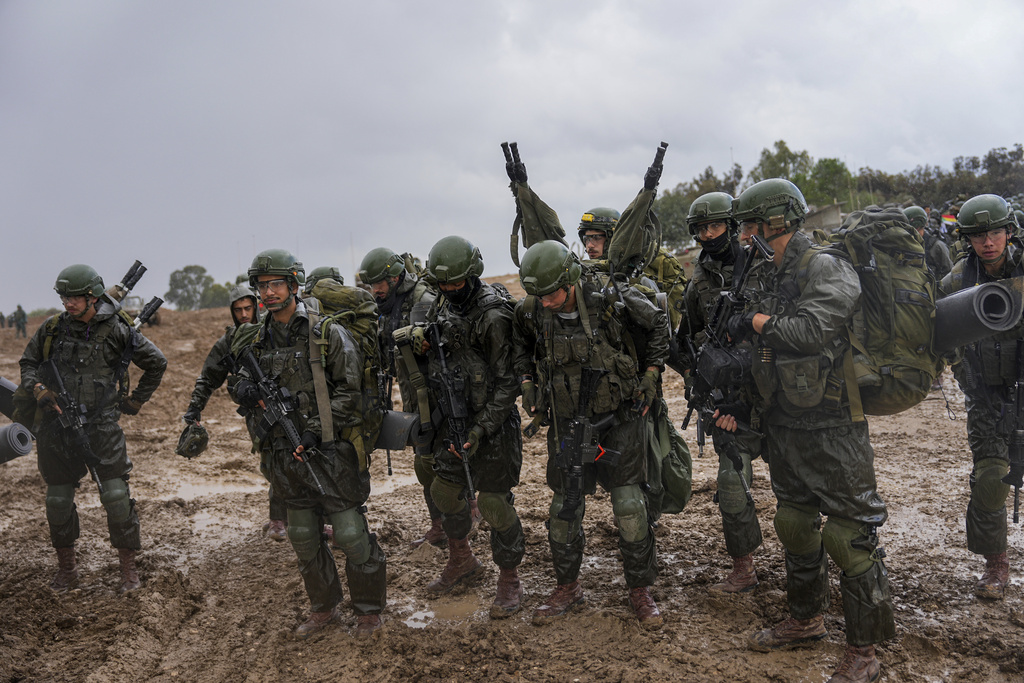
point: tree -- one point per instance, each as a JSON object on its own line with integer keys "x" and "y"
{"x": 214, "y": 296}
{"x": 673, "y": 205}
{"x": 187, "y": 286}
{"x": 829, "y": 182}
{"x": 782, "y": 163}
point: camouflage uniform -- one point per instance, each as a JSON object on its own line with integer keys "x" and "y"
{"x": 20, "y": 321}
{"x": 936, "y": 255}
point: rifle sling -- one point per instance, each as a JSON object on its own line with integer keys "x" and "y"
{"x": 317, "y": 364}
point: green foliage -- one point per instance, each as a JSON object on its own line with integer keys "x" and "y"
{"x": 242, "y": 279}
{"x": 43, "y": 311}
{"x": 214, "y": 296}
{"x": 829, "y": 182}
{"x": 673, "y": 205}
{"x": 782, "y": 163}
{"x": 187, "y": 286}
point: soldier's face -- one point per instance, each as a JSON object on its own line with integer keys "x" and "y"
{"x": 243, "y": 311}
{"x": 989, "y": 245}
{"x": 593, "y": 242}
{"x": 382, "y": 289}
{"x": 709, "y": 231}
{"x": 77, "y": 305}
{"x": 275, "y": 291}
{"x": 562, "y": 300}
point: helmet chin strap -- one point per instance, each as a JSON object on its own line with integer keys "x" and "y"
{"x": 88, "y": 304}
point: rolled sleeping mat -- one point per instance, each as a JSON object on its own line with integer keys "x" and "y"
{"x": 7, "y": 389}
{"x": 15, "y": 441}
{"x": 398, "y": 430}
{"x": 973, "y": 314}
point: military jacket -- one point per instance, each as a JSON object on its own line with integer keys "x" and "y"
{"x": 622, "y": 337}
{"x": 667, "y": 272}
{"x": 87, "y": 357}
{"x": 214, "y": 373}
{"x": 411, "y": 294}
{"x": 799, "y": 365}
{"x": 936, "y": 255}
{"x": 710, "y": 278}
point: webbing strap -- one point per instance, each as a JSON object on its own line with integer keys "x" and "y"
{"x": 317, "y": 363}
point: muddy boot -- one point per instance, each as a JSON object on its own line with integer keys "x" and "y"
{"x": 992, "y": 584}
{"x": 435, "y": 535}
{"x": 858, "y": 666}
{"x": 462, "y": 564}
{"x": 646, "y": 610}
{"x": 508, "y": 595}
{"x": 566, "y": 597}
{"x": 276, "y": 530}
{"x": 67, "y": 570}
{"x": 789, "y": 633}
{"x": 367, "y": 625}
{"x": 317, "y": 622}
{"x": 129, "y": 573}
{"x": 741, "y": 579}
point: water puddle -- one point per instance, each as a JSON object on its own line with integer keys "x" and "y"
{"x": 191, "y": 490}
{"x": 419, "y": 619}
{"x": 390, "y": 484}
{"x": 457, "y": 608}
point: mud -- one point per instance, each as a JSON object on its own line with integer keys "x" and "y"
{"x": 218, "y": 600}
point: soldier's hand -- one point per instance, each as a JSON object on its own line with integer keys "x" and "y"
{"x": 420, "y": 345}
{"x": 740, "y": 326}
{"x": 247, "y": 393}
{"x": 529, "y": 390}
{"x": 45, "y": 398}
{"x": 652, "y": 177}
{"x": 192, "y": 416}
{"x": 130, "y": 406}
{"x": 1015, "y": 477}
{"x": 309, "y": 441}
{"x": 647, "y": 391}
{"x": 726, "y": 422}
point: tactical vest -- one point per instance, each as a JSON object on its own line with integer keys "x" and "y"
{"x": 289, "y": 366}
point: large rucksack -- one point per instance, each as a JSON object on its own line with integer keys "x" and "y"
{"x": 893, "y": 363}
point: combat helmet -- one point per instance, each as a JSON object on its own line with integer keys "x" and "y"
{"x": 77, "y": 280}
{"x": 916, "y": 216}
{"x": 276, "y": 262}
{"x": 454, "y": 259}
{"x": 193, "y": 440}
{"x": 378, "y": 264}
{"x": 713, "y": 206}
{"x": 601, "y": 218}
{"x": 1019, "y": 215}
{"x": 322, "y": 273}
{"x": 983, "y": 213}
{"x": 548, "y": 266}
{"x": 775, "y": 201}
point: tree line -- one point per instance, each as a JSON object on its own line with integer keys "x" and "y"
{"x": 192, "y": 288}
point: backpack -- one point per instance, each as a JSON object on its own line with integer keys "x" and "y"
{"x": 893, "y": 362}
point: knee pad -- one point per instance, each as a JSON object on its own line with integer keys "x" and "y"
{"x": 988, "y": 492}
{"x": 850, "y": 544}
{"x": 351, "y": 535}
{"x": 447, "y": 496}
{"x": 630, "y": 513}
{"x": 304, "y": 533}
{"x": 60, "y": 503}
{"x": 732, "y": 497}
{"x": 558, "y": 529}
{"x": 799, "y": 529}
{"x": 497, "y": 509}
{"x": 115, "y": 499}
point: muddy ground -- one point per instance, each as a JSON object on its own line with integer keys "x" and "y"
{"x": 218, "y": 600}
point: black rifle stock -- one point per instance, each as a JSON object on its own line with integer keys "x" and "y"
{"x": 72, "y": 418}
{"x": 385, "y": 382}
{"x": 277, "y": 402}
{"x": 452, "y": 401}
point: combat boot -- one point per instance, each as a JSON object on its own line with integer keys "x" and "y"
{"x": 992, "y": 584}
{"x": 646, "y": 610}
{"x": 67, "y": 570}
{"x": 858, "y": 666}
{"x": 317, "y": 622}
{"x": 435, "y": 535}
{"x": 129, "y": 573}
{"x": 741, "y": 579}
{"x": 276, "y": 530}
{"x": 509, "y": 594}
{"x": 462, "y": 564}
{"x": 566, "y": 597}
{"x": 367, "y": 625}
{"x": 788, "y": 634}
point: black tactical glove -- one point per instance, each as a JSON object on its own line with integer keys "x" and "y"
{"x": 516, "y": 171}
{"x": 529, "y": 396}
{"x": 129, "y": 406}
{"x": 652, "y": 177}
{"x": 247, "y": 393}
{"x": 192, "y": 415}
{"x": 308, "y": 442}
{"x": 647, "y": 391}
{"x": 45, "y": 398}
{"x": 740, "y": 326}
{"x": 1015, "y": 477}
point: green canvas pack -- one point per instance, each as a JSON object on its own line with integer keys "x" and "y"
{"x": 893, "y": 363}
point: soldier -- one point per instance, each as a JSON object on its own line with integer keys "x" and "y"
{"x": 322, "y": 273}
{"x": 987, "y": 374}
{"x": 568, "y": 324}
{"x": 244, "y": 311}
{"x": 327, "y": 411}
{"x": 90, "y": 347}
{"x": 402, "y": 300}
{"x": 810, "y": 435}
{"x": 20, "y": 320}
{"x": 3, "y": 321}
{"x": 474, "y": 324}
{"x": 721, "y": 258}
{"x": 936, "y": 253}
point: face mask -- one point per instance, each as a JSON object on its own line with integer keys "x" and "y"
{"x": 716, "y": 246}
{"x": 461, "y": 297}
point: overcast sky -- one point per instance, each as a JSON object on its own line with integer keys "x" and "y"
{"x": 203, "y": 131}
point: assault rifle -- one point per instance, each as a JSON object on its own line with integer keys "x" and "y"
{"x": 72, "y": 417}
{"x": 385, "y": 381}
{"x": 579, "y": 447}
{"x": 452, "y": 401}
{"x": 276, "y": 402}
{"x": 119, "y": 291}
{"x": 1015, "y": 477}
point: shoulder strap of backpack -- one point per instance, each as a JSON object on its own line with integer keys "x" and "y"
{"x": 319, "y": 334}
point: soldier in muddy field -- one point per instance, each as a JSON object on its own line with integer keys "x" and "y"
{"x": 810, "y": 434}
{"x": 79, "y": 360}
{"x": 321, "y": 404}
{"x": 20, "y": 321}
{"x": 244, "y": 310}
{"x": 987, "y": 373}
{"x": 569, "y": 326}
{"x": 477, "y": 445}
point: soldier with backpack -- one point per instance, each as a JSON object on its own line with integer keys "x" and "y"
{"x": 935, "y": 250}
{"x": 987, "y": 373}
{"x": 307, "y": 386}
{"x": 811, "y": 434}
